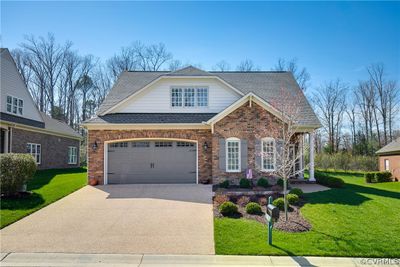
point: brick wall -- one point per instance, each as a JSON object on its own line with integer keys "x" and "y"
{"x": 96, "y": 158}
{"x": 394, "y": 164}
{"x": 248, "y": 123}
{"x": 54, "y": 148}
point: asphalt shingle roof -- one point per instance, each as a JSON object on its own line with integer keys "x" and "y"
{"x": 268, "y": 85}
{"x": 58, "y": 126}
{"x": 391, "y": 148}
{"x": 153, "y": 118}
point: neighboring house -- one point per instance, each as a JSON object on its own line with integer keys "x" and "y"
{"x": 389, "y": 158}
{"x": 24, "y": 129}
{"x": 190, "y": 126}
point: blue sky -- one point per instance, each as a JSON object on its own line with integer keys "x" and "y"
{"x": 332, "y": 39}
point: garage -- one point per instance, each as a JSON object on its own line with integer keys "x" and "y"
{"x": 152, "y": 162}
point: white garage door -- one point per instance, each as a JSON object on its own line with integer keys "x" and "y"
{"x": 151, "y": 162}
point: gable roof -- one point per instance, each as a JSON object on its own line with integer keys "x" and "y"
{"x": 391, "y": 148}
{"x": 57, "y": 126}
{"x": 265, "y": 84}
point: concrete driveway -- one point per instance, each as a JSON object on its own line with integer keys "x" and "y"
{"x": 148, "y": 219}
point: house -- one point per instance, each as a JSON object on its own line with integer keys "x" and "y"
{"x": 24, "y": 129}
{"x": 191, "y": 126}
{"x": 389, "y": 158}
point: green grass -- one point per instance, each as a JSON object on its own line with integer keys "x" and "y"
{"x": 47, "y": 186}
{"x": 360, "y": 220}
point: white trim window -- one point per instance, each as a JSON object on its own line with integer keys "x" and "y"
{"x": 176, "y": 97}
{"x": 189, "y": 97}
{"x": 268, "y": 154}
{"x": 387, "y": 165}
{"x": 202, "y": 97}
{"x": 36, "y": 151}
{"x": 15, "y": 105}
{"x": 72, "y": 155}
{"x": 232, "y": 153}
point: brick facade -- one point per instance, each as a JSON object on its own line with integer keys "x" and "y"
{"x": 394, "y": 164}
{"x": 54, "y": 148}
{"x": 249, "y": 123}
{"x": 96, "y": 158}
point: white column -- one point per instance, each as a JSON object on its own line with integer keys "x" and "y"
{"x": 301, "y": 163}
{"x": 5, "y": 145}
{"x": 312, "y": 141}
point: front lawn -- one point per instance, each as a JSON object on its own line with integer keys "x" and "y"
{"x": 360, "y": 220}
{"x": 47, "y": 186}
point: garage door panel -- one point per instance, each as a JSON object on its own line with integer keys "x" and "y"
{"x": 152, "y": 162}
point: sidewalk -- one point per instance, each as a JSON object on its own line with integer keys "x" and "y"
{"x": 136, "y": 260}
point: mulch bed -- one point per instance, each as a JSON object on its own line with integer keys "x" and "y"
{"x": 296, "y": 222}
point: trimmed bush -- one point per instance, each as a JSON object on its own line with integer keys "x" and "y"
{"x": 329, "y": 181}
{"x": 253, "y": 208}
{"x": 292, "y": 199}
{"x": 279, "y": 203}
{"x": 224, "y": 184}
{"x": 280, "y": 182}
{"x": 15, "y": 171}
{"x": 262, "y": 182}
{"x": 296, "y": 191}
{"x": 381, "y": 177}
{"x": 369, "y": 177}
{"x": 220, "y": 198}
{"x": 243, "y": 201}
{"x": 244, "y": 183}
{"x": 228, "y": 208}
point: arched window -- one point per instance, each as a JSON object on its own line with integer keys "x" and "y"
{"x": 268, "y": 154}
{"x": 232, "y": 147}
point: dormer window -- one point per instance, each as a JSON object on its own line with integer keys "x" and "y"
{"x": 15, "y": 105}
{"x": 189, "y": 97}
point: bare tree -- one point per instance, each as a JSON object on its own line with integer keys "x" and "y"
{"x": 247, "y": 65}
{"x": 50, "y": 56}
{"x": 393, "y": 96}
{"x": 21, "y": 61}
{"x": 175, "y": 65}
{"x": 157, "y": 56}
{"x": 222, "y": 66}
{"x": 300, "y": 74}
{"x": 289, "y": 140}
{"x": 330, "y": 103}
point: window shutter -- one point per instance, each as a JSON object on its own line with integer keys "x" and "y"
{"x": 243, "y": 154}
{"x": 279, "y": 152}
{"x": 258, "y": 154}
{"x": 222, "y": 156}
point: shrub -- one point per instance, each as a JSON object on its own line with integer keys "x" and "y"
{"x": 244, "y": 183}
{"x": 243, "y": 201}
{"x": 15, "y": 171}
{"x": 279, "y": 203}
{"x": 280, "y": 182}
{"x": 253, "y": 208}
{"x": 262, "y": 182}
{"x": 345, "y": 161}
{"x": 220, "y": 198}
{"x": 296, "y": 191}
{"x": 292, "y": 199}
{"x": 224, "y": 184}
{"x": 330, "y": 181}
{"x": 369, "y": 177}
{"x": 381, "y": 177}
{"x": 228, "y": 208}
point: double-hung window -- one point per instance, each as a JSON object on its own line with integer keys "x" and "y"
{"x": 268, "y": 154}
{"x": 189, "y": 97}
{"x": 176, "y": 97}
{"x": 202, "y": 97}
{"x": 35, "y": 150}
{"x": 233, "y": 155}
{"x": 15, "y": 105}
{"x": 72, "y": 155}
{"x": 387, "y": 165}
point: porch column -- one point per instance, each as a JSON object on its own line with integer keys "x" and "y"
{"x": 312, "y": 141}
{"x": 301, "y": 161}
{"x": 5, "y": 145}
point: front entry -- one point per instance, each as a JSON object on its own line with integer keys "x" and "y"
{"x": 151, "y": 162}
